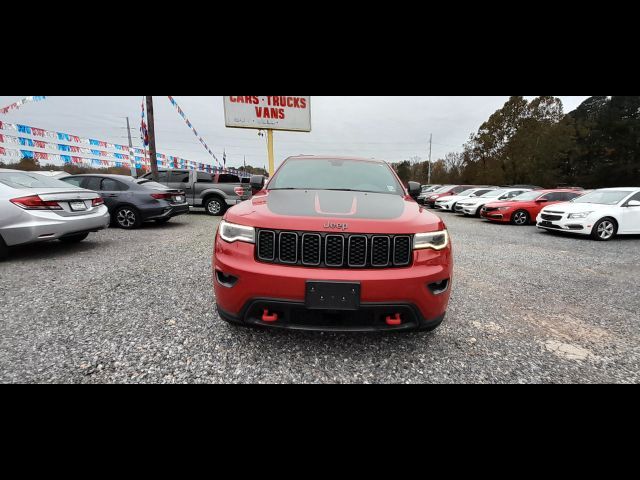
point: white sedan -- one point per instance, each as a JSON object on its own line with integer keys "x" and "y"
{"x": 449, "y": 203}
{"x": 602, "y": 214}
{"x": 472, "y": 206}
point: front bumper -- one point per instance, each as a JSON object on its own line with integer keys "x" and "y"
{"x": 281, "y": 289}
{"x": 444, "y": 206}
{"x": 467, "y": 210}
{"x": 503, "y": 216}
{"x": 170, "y": 211}
{"x": 32, "y": 226}
{"x": 580, "y": 226}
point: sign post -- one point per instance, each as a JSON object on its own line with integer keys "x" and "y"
{"x": 291, "y": 114}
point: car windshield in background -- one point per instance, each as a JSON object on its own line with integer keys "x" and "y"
{"x": 494, "y": 194}
{"x": 330, "y": 174}
{"x": 526, "y": 197}
{"x": 446, "y": 188}
{"x": 30, "y": 180}
{"x": 466, "y": 193}
{"x": 603, "y": 197}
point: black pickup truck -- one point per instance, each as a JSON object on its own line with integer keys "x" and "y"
{"x": 213, "y": 192}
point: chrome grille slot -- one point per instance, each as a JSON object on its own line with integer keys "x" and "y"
{"x": 267, "y": 246}
{"x": 288, "y": 247}
{"x": 311, "y": 249}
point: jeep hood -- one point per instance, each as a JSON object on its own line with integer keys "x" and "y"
{"x": 331, "y": 211}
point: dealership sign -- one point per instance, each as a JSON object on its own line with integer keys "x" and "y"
{"x": 268, "y": 113}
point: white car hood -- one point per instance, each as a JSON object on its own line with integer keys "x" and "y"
{"x": 570, "y": 207}
{"x": 478, "y": 201}
{"x": 449, "y": 198}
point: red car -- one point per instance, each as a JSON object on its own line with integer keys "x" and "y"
{"x": 334, "y": 244}
{"x": 524, "y": 209}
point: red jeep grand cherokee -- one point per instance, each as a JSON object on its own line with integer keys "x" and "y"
{"x": 333, "y": 244}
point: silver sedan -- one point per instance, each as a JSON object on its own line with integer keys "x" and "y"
{"x": 34, "y": 208}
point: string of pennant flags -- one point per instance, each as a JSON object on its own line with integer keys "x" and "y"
{"x": 195, "y": 132}
{"x": 20, "y": 103}
{"x": 78, "y": 150}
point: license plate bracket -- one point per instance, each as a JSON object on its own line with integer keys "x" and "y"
{"x": 332, "y": 295}
{"x": 77, "y": 206}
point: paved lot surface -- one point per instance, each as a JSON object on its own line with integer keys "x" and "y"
{"x": 138, "y": 307}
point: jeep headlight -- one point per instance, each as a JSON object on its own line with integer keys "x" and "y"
{"x": 230, "y": 232}
{"x": 434, "y": 240}
{"x": 579, "y": 215}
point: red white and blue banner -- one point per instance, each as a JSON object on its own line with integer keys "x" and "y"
{"x": 19, "y": 103}
{"x": 195, "y": 132}
{"x": 23, "y": 141}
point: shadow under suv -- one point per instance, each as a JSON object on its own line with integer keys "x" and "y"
{"x": 334, "y": 244}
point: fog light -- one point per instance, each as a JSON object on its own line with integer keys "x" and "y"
{"x": 227, "y": 281}
{"x": 439, "y": 288}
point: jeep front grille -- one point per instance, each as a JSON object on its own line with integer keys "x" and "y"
{"x": 324, "y": 250}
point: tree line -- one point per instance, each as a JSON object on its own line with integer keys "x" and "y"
{"x": 534, "y": 142}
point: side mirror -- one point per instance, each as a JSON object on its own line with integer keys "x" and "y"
{"x": 415, "y": 189}
{"x": 633, "y": 203}
{"x": 257, "y": 182}
{"x": 542, "y": 200}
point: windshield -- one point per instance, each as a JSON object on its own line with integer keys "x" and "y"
{"x": 446, "y": 188}
{"x": 467, "y": 193}
{"x": 494, "y": 194}
{"x": 526, "y": 197}
{"x": 330, "y": 174}
{"x": 30, "y": 180}
{"x": 603, "y": 197}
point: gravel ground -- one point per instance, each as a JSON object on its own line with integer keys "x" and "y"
{"x": 527, "y": 307}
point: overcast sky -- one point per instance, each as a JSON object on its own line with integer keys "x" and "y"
{"x": 390, "y": 128}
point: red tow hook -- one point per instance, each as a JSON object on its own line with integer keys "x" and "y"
{"x": 394, "y": 321}
{"x": 269, "y": 318}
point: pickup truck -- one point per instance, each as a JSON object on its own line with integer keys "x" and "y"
{"x": 213, "y": 192}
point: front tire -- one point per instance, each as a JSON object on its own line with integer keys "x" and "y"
{"x": 604, "y": 230}
{"x": 520, "y": 218}
{"x": 4, "y": 251}
{"x": 127, "y": 218}
{"x": 74, "y": 238}
{"x": 215, "y": 206}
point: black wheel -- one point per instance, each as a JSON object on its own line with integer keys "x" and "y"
{"x": 4, "y": 251}
{"x": 215, "y": 206}
{"x": 453, "y": 207}
{"x": 162, "y": 221}
{"x": 127, "y": 218}
{"x": 604, "y": 230}
{"x": 74, "y": 238}
{"x": 520, "y": 218}
{"x": 477, "y": 214}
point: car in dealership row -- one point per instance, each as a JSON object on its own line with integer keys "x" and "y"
{"x": 35, "y": 208}
{"x": 133, "y": 201}
{"x": 215, "y": 192}
{"x": 333, "y": 244}
{"x": 449, "y": 203}
{"x": 473, "y": 206}
{"x": 426, "y": 191}
{"x": 446, "y": 191}
{"x": 602, "y": 214}
{"x": 524, "y": 209}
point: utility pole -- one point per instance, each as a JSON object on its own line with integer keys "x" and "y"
{"x": 430, "y": 147}
{"x": 132, "y": 153}
{"x": 152, "y": 139}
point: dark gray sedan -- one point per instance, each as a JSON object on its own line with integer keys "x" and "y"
{"x": 132, "y": 201}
